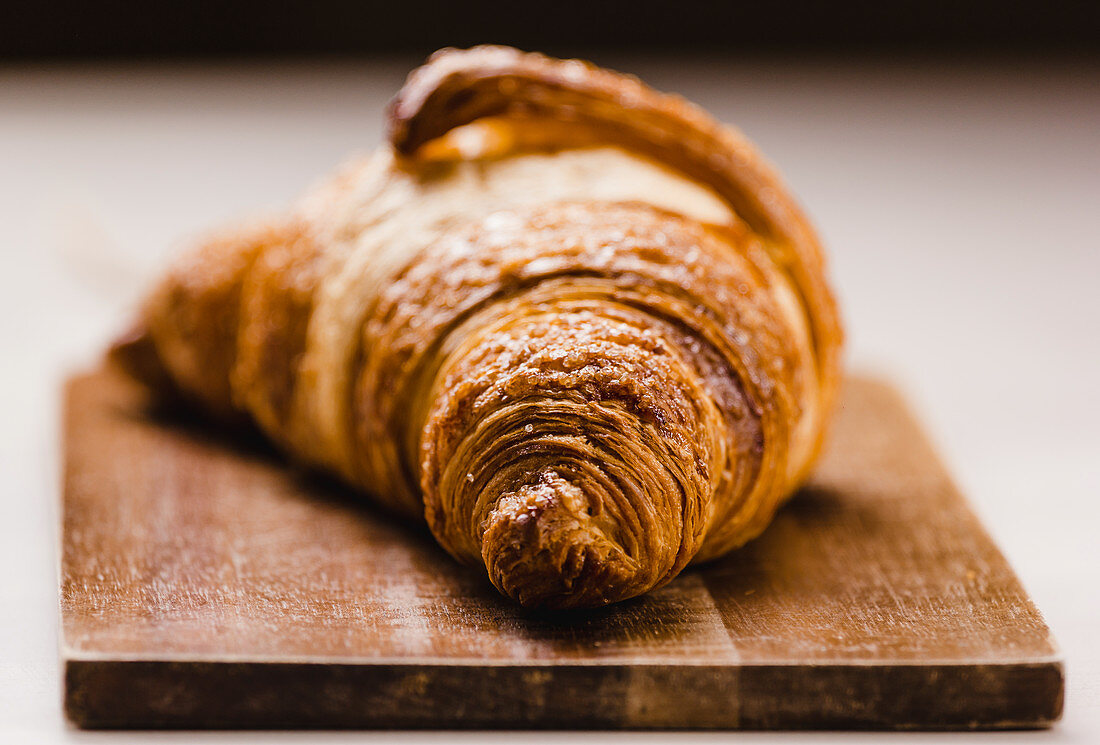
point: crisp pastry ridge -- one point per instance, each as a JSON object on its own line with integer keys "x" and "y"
{"x": 578, "y": 326}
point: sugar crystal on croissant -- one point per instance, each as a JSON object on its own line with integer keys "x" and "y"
{"x": 576, "y": 325}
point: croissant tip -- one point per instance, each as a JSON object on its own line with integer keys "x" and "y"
{"x": 541, "y": 548}
{"x": 411, "y": 121}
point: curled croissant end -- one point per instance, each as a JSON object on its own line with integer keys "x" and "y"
{"x": 541, "y": 547}
{"x": 458, "y": 87}
{"x": 576, "y": 325}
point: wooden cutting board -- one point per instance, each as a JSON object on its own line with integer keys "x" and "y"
{"x": 205, "y": 584}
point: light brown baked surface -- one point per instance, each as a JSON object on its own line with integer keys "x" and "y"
{"x": 578, "y": 326}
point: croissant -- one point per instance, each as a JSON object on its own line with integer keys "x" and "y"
{"x": 576, "y": 325}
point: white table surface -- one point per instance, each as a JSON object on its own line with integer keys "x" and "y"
{"x": 960, "y": 201}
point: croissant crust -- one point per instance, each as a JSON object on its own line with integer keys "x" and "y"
{"x": 576, "y": 325}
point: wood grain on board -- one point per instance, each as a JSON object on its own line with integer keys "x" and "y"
{"x": 206, "y": 584}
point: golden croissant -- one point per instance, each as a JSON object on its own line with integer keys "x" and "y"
{"x": 576, "y": 325}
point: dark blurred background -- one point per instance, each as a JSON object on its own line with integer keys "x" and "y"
{"x": 38, "y": 29}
